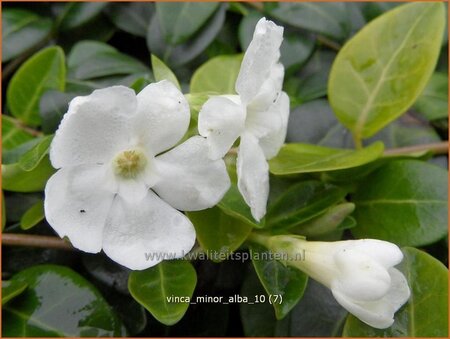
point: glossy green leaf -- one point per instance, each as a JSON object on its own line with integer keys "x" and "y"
{"x": 426, "y": 312}
{"x": 180, "y": 20}
{"x": 93, "y": 59}
{"x": 178, "y": 55}
{"x": 217, "y": 75}
{"x": 278, "y": 280}
{"x": 304, "y": 158}
{"x": 162, "y": 72}
{"x": 33, "y": 216}
{"x": 382, "y": 70}
{"x": 405, "y": 202}
{"x": 433, "y": 102}
{"x": 31, "y": 159}
{"x": 328, "y": 18}
{"x": 132, "y": 17}
{"x": 301, "y": 202}
{"x": 22, "y": 30}
{"x": 11, "y": 289}
{"x": 219, "y": 234}
{"x": 154, "y": 287}
{"x": 58, "y": 302}
{"x": 52, "y": 106}
{"x": 13, "y": 134}
{"x": 16, "y": 179}
{"x": 43, "y": 71}
{"x": 234, "y": 205}
{"x": 77, "y": 14}
{"x": 331, "y": 220}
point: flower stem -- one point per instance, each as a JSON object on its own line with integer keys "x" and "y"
{"x": 31, "y": 240}
{"x": 259, "y": 239}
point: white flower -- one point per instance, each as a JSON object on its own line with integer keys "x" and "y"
{"x": 258, "y": 115}
{"x": 116, "y": 190}
{"x": 360, "y": 273}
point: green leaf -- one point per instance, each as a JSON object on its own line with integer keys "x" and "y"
{"x": 13, "y": 134}
{"x": 33, "y": 216}
{"x": 16, "y": 179}
{"x": 404, "y": 202}
{"x": 335, "y": 218}
{"x": 330, "y": 19}
{"x": 31, "y": 159}
{"x": 180, "y": 20}
{"x": 301, "y": 202}
{"x": 3, "y": 212}
{"x": 58, "y": 302}
{"x": 217, "y": 75}
{"x": 52, "y": 106}
{"x": 93, "y": 59}
{"x": 426, "y": 312}
{"x": 234, "y": 205}
{"x": 218, "y": 233}
{"x": 78, "y": 14}
{"x": 22, "y": 30}
{"x": 382, "y": 70}
{"x": 304, "y": 158}
{"x": 131, "y": 17}
{"x": 162, "y": 72}
{"x": 11, "y": 289}
{"x": 178, "y": 55}
{"x": 278, "y": 280}
{"x": 433, "y": 102}
{"x": 154, "y": 287}
{"x": 43, "y": 71}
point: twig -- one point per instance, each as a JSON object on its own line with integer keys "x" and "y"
{"x": 435, "y": 148}
{"x": 19, "y": 124}
{"x": 328, "y": 43}
{"x": 258, "y": 5}
{"x": 30, "y": 240}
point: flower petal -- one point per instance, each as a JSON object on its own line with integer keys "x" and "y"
{"x": 188, "y": 179}
{"x": 379, "y": 313}
{"x": 386, "y": 253}
{"x": 94, "y": 128}
{"x": 163, "y": 116}
{"x": 270, "y": 89}
{"x": 271, "y": 126}
{"x": 253, "y": 175}
{"x": 77, "y": 204}
{"x": 221, "y": 121}
{"x": 262, "y": 53}
{"x": 140, "y": 235}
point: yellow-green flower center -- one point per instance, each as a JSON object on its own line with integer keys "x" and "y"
{"x": 129, "y": 164}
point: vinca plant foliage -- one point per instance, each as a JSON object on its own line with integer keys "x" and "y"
{"x": 224, "y": 169}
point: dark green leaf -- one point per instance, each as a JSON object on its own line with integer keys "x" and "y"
{"x": 43, "y": 71}
{"x": 58, "y": 302}
{"x": 372, "y": 84}
{"x": 52, "y": 107}
{"x": 217, "y": 75}
{"x": 93, "y": 59}
{"x": 328, "y": 18}
{"x": 304, "y": 158}
{"x": 178, "y": 55}
{"x": 16, "y": 179}
{"x": 13, "y": 134}
{"x": 154, "y": 287}
{"x": 162, "y": 72}
{"x": 219, "y": 234}
{"x": 284, "y": 283}
{"x": 405, "y": 202}
{"x": 303, "y": 201}
{"x": 33, "y": 216}
{"x": 22, "y": 30}
{"x": 31, "y": 159}
{"x": 77, "y": 14}
{"x": 132, "y": 17}
{"x": 433, "y": 102}
{"x": 11, "y": 289}
{"x": 426, "y": 313}
{"x": 180, "y": 20}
